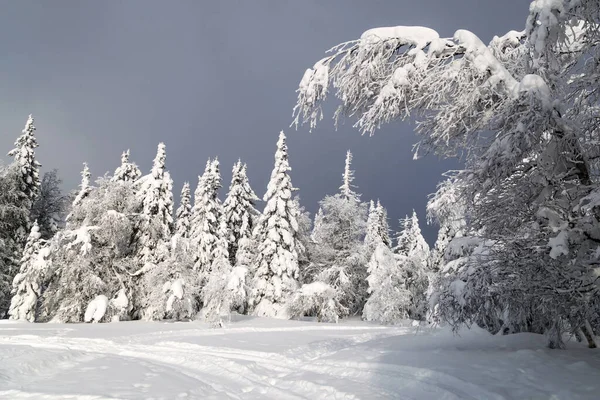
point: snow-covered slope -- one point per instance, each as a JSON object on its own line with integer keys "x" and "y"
{"x": 255, "y": 358}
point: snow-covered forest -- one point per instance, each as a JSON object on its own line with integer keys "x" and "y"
{"x": 345, "y": 303}
{"x": 517, "y": 249}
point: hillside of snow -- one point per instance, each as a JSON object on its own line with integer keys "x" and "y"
{"x": 258, "y": 358}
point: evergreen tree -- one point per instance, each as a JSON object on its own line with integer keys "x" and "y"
{"x": 206, "y": 215}
{"x": 238, "y": 210}
{"x": 372, "y": 237}
{"x": 27, "y": 285}
{"x": 184, "y": 213}
{"x": 347, "y": 188}
{"x": 127, "y": 171}
{"x": 84, "y": 186}
{"x": 317, "y": 230}
{"x": 389, "y": 301}
{"x": 383, "y": 228}
{"x": 156, "y": 198}
{"x": 24, "y": 158}
{"x": 275, "y": 268}
{"x": 216, "y": 295}
{"x": 412, "y": 256}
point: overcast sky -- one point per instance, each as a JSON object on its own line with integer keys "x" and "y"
{"x": 213, "y": 78}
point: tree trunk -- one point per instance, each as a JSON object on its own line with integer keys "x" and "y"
{"x": 589, "y": 335}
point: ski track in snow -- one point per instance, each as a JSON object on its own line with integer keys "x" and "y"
{"x": 302, "y": 361}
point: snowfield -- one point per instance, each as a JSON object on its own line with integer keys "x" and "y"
{"x": 258, "y": 358}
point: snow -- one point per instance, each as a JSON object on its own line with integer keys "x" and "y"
{"x": 96, "y": 309}
{"x": 417, "y": 36}
{"x": 255, "y": 358}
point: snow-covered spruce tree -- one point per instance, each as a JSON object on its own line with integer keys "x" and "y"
{"x": 338, "y": 257}
{"x": 412, "y": 257}
{"x": 127, "y": 171}
{"x": 95, "y": 255}
{"x": 27, "y": 285}
{"x": 383, "y": 227}
{"x": 29, "y": 167}
{"x": 275, "y": 267}
{"x": 84, "y": 186}
{"x": 534, "y": 91}
{"x": 184, "y": 213}
{"x": 347, "y": 188}
{"x": 239, "y": 210}
{"x": 206, "y": 215}
{"x": 50, "y": 206}
{"x": 154, "y": 234}
{"x": 216, "y": 295}
{"x": 14, "y": 216}
{"x": 389, "y": 301}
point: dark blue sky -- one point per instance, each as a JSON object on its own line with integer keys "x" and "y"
{"x": 212, "y": 78}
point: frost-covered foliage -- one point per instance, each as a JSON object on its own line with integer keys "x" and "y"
{"x": 95, "y": 255}
{"x": 206, "y": 216}
{"x": 522, "y": 112}
{"x": 316, "y": 299}
{"x": 275, "y": 266}
{"x": 28, "y": 166}
{"x": 216, "y": 296}
{"x": 412, "y": 257}
{"x": 239, "y": 210}
{"x": 96, "y": 309}
{"x": 127, "y": 171}
{"x": 239, "y": 286}
{"x": 183, "y": 215}
{"x": 27, "y": 284}
{"x": 50, "y": 206}
{"x": 389, "y": 300}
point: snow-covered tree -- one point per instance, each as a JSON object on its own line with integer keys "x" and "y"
{"x": 412, "y": 257}
{"x": 14, "y": 217}
{"x": 383, "y": 227}
{"x": 27, "y": 285}
{"x": 29, "y": 167}
{"x": 316, "y": 299}
{"x": 347, "y": 188}
{"x": 275, "y": 267}
{"x": 206, "y": 216}
{"x": 50, "y": 205}
{"x": 84, "y": 186}
{"x": 154, "y": 233}
{"x": 95, "y": 255}
{"x": 156, "y": 198}
{"x": 531, "y": 185}
{"x": 184, "y": 213}
{"x": 127, "y": 171}
{"x": 239, "y": 210}
{"x": 216, "y": 295}
{"x": 389, "y": 300}
{"x": 377, "y": 226}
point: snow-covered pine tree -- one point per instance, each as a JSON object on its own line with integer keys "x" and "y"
{"x": 216, "y": 295}
{"x": 275, "y": 267}
{"x": 127, "y": 171}
{"x": 347, "y": 188}
{"x": 206, "y": 215}
{"x": 154, "y": 234}
{"x": 317, "y": 230}
{"x": 412, "y": 256}
{"x": 384, "y": 227}
{"x": 184, "y": 213}
{"x": 84, "y": 186}
{"x": 29, "y": 167}
{"x": 239, "y": 210}
{"x": 27, "y": 285}
{"x": 156, "y": 198}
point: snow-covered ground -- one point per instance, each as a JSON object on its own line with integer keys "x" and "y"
{"x": 255, "y": 358}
